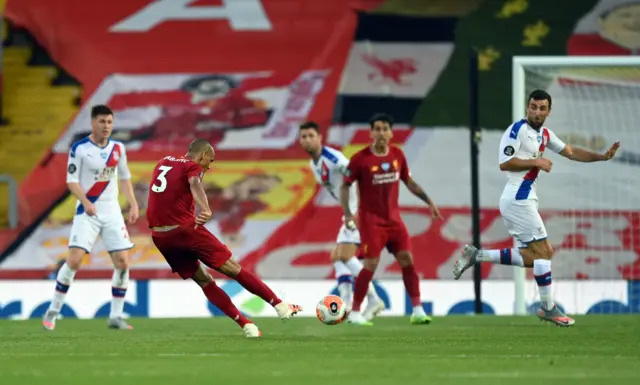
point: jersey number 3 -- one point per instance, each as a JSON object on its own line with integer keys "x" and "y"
{"x": 161, "y": 178}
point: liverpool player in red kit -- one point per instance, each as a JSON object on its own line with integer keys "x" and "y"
{"x": 187, "y": 245}
{"x": 377, "y": 169}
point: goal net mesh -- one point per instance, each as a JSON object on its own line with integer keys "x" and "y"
{"x": 592, "y": 210}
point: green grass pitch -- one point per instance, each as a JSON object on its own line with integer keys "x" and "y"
{"x": 452, "y": 350}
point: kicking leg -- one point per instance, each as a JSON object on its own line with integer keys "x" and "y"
{"x": 63, "y": 281}
{"x": 254, "y": 285}
{"x": 412, "y": 285}
{"x": 119, "y": 285}
{"x": 221, "y": 300}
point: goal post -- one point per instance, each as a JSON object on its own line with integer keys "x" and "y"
{"x": 595, "y": 101}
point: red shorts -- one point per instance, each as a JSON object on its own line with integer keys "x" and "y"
{"x": 374, "y": 238}
{"x": 185, "y": 247}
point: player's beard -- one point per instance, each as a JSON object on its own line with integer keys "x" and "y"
{"x": 535, "y": 125}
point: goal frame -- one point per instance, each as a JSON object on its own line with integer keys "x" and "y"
{"x": 519, "y": 106}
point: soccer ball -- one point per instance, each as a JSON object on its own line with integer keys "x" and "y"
{"x": 331, "y": 310}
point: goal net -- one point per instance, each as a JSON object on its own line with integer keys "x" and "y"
{"x": 591, "y": 210}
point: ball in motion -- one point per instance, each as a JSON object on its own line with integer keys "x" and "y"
{"x": 331, "y": 310}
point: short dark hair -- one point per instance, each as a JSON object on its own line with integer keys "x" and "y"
{"x": 310, "y": 125}
{"x": 385, "y": 118}
{"x": 100, "y": 109}
{"x": 540, "y": 95}
{"x": 199, "y": 146}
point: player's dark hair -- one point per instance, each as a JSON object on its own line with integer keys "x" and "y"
{"x": 385, "y": 118}
{"x": 100, "y": 109}
{"x": 540, "y": 95}
{"x": 310, "y": 125}
{"x": 199, "y": 146}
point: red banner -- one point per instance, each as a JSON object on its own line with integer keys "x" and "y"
{"x": 241, "y": 73}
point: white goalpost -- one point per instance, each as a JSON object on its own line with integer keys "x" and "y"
{"x": 590, "y": 209}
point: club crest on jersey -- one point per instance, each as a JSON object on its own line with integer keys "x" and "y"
{"x": 103, "y": 155}
{"x": 539, "y": 138}
{"x": 395, "y": 164}
{"x": 385, "y": 166}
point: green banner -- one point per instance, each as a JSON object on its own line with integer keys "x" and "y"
{"x": 499, "y": 30}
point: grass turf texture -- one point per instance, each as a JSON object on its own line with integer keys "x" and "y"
{"x": 452, "y": 350}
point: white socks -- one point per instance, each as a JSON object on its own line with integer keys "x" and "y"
{"x": 63, "y": 281}
{"x": 542, "y": 274}
{"x": 503, "y": 257}
{"x": 119, "y": 285}
{"x": 345, "y": 271}
{"x": 355, "y": 266}
{"x": 345, "y": 281}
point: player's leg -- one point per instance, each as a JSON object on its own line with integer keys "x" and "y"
{"x": 84, "y": 232}
{"x": 216, "y": 255}
{"x": 372, "y": 240}
{"x": 516, "y": 217}
{"x": 343, "y": 277}
{"x": 345, "y": 252}
{"x": 542, "y": 273}
{"x": 253, "y": 284}
{"x": 116, "y": 240}
{"x": 185, "y": 263}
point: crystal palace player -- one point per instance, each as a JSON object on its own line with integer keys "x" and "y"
{"x": 187, "y": 245}
{"x": 329, "y": 167}
{"x": 377, "y": 169}
{"x": 521, "y": 150}
{"x": 96, "y": 163}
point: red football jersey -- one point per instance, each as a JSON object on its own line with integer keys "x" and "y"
{"x": 378, "y": 183}
{"x": 170, "y": 200}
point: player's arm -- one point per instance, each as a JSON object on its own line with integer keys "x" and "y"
{"x": 124, "y": 176}
{"x": 415, "y": 188}
{"x": 351, "y": 174}
{"x": 199, "y": 195}
{"x": 74, "y": 167}
{"x": 579, "y": 154}
{"x": 509, "y": 145}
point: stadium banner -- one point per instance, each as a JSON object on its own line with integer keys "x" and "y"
{"x": 280, "y": 225}
{"x": 174, "y": 299}
{"x": 243, "y": 74}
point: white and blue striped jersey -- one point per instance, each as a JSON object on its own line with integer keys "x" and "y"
{"x": 329, "y": 172}
{"x": 524, "y": 142}
{"x": 97, "y": 170}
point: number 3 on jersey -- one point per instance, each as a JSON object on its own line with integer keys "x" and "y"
{"x": 161, "y": 178}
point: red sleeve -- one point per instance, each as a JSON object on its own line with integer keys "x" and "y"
{"x": 352, "y": 171}
{"x": 405, "y": 174}
{"x": 193, "y": 170}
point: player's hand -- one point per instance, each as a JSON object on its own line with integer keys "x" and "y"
{"x": 611, "y": 152}
{"x": 202, "y": 218}
{"x": 435, "y": 212}
{"x": 90, "y": 209}
{"x": 544, "y": 164}
{"x": 350, "y": 222}
{"x": 134, "y": 214}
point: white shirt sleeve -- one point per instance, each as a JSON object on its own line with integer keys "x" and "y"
{"x": 509, "y": 145}
{"x": 555, "y": 144}
{"x": 74, "y": 165}
{"x": 343, "y": 163}
{"x": 123, "y": 164}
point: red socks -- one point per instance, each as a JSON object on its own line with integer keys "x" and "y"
{"x": 361, "y": 287}
{"x": 412, "y": 284}
{"x": 218, "y": 297}
{"x": 254, "y": 285}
